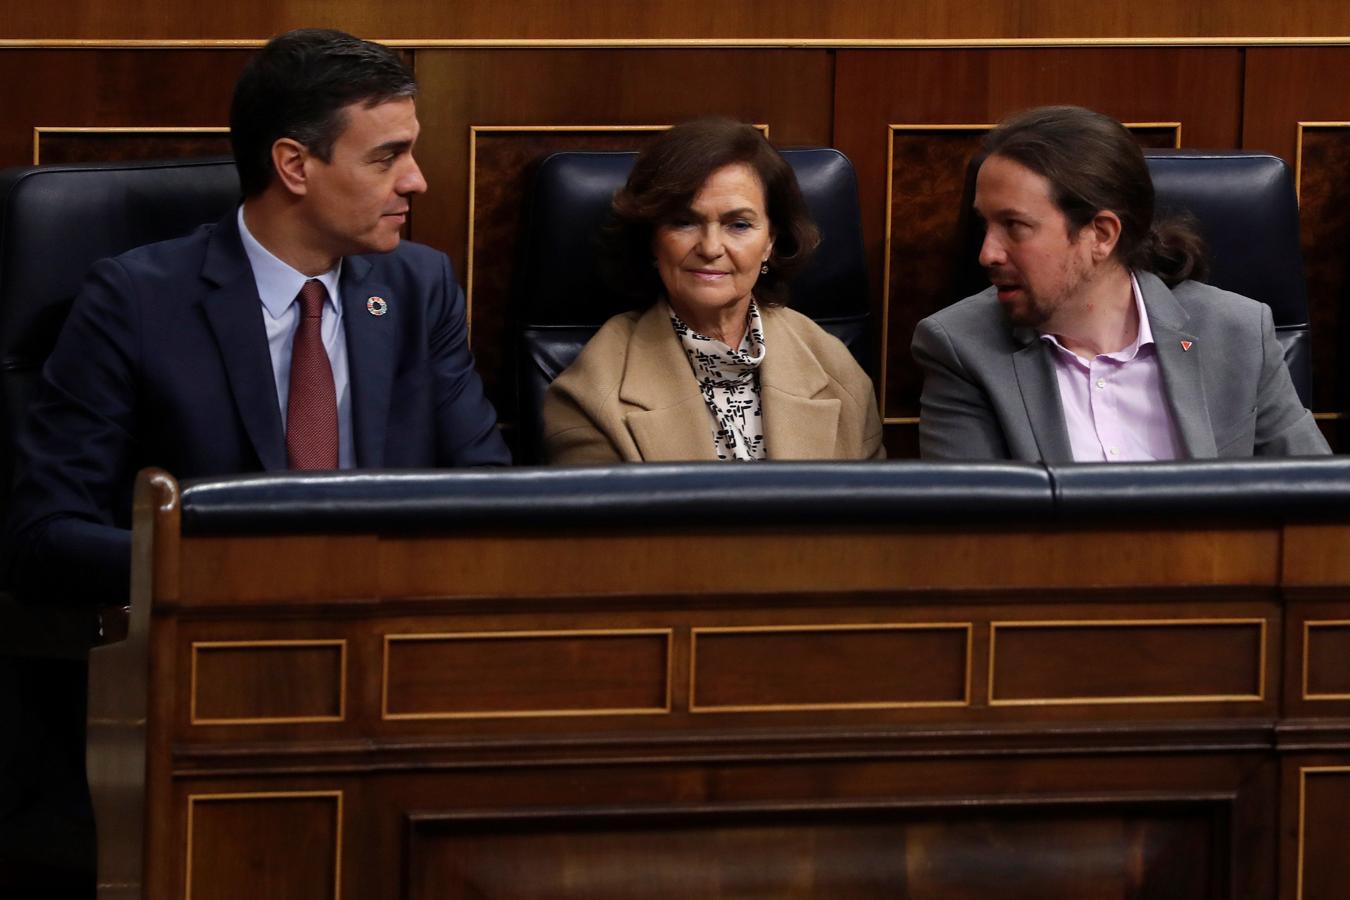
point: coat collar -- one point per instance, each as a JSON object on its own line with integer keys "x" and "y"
{"x": 234, "y": 313}
{"x": 1181, "y": 362}
{"x": 673, "y": 422}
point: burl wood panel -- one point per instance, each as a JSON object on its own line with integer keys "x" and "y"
{"x": 788, "y": 90}
{"x": 1286, "y": 86}
{"x": 529, "y": 673}
{"x": 1126, "y": 662}
{"x": 1326, "y": 662}
{"x": 1324, "y": 821}
{"x": 264, "y": 847}
{"x": 798, "y": 668}
{"x": 874, "y": 90}
{"x": 1162, "y": 851}
{"x": 234, "y": 682}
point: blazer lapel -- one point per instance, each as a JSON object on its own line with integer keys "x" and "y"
{"x": 371, "y": 351}
{"x": 234, "y": 313}
{"x": 796, "y": 426}
{"x": 1040, "y": 396}
{"x": 672, "y": 421}
{"x": 1180, "y": 360}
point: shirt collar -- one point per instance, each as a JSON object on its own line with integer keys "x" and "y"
{"x": 278, "y": 283}
{"x": 1142, "y": 338}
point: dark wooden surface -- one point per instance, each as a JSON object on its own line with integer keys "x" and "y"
{"x": 1010, "y": 712}
{"x": 690, "y": 19}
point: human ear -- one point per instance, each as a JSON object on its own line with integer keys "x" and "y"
{"x": 1105, "y": 231}
{"x": 289, "y": 157}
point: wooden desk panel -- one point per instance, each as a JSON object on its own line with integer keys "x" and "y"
{"x": 863, "y": 712}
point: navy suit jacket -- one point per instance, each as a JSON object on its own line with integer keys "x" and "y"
{"x": 164, "y": 362}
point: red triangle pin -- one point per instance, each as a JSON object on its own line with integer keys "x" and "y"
{"x": 1185, "y": 345}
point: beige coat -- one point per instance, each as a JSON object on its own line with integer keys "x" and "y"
{"x": 631, "y": 396}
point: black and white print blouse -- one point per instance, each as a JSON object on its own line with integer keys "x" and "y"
{"x": 729, "y": 381}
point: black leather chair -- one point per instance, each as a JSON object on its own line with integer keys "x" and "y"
{"x": 1247, "y": 210}
{"x": 55, "y": 222}
{"x": 562, "y": 300}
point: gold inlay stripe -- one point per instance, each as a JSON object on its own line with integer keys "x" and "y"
{"x": 340, "y": 643}
{"x": 994, "y": 627}
{"x": 389, "y": 639}
{"x": 194, "y": 799}
{"x": 40, "y": 130}
{"x": 1298, "y": 152}
{"x": 694, "y": 634}
{"x": 771, "y": 43}
{"x": 1303, "y": 773}
{"x": 1308, "y": 626}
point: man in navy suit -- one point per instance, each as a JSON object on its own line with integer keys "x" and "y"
{"x": 180, "y": 354}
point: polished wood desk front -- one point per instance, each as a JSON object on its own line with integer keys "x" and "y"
{"x": 737, "y": 710}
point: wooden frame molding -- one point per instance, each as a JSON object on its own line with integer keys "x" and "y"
{"x": 668, "y": 634}
{"x": 1262, "y": 674}
{"x": 340, "y": 643}
{"x": 40, "y": 130}
{"x": 1308, "y": 626}
{"x": 337, "y": 796}
{"x": 696, "y": 632}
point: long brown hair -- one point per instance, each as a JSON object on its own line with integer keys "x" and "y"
{"x": 1093, "y": 163}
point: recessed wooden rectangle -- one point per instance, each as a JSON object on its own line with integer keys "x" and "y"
{"x": 830, "y": 667}
{"x": 1145, "y": 661}
{"x": 956, "y": 852}
{"x": 268, "y": 682}
{"x": 264, "y": 845}
{"x": 1323, "y": 821}
{"x": 526, "y": 673}
{"x": 1326, "y": 660}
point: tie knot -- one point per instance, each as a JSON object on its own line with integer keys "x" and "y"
{"x": 312, "y": 295}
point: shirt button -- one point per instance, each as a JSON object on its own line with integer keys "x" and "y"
{"x": 1101, "y": 382}
{"x": 1115, "y": 451}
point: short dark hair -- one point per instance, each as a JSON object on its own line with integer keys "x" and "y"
{"x": 664, "y": 180}
{"x": 1093, "y": 163}
{"x": 297, "y": 87}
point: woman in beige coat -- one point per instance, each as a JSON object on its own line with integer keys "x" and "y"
{"x": 712, "y": 224}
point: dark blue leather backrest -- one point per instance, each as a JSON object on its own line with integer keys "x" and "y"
{"x": 56, "y": 222}
{"x": 561, "y": 298}
{"x": 1247, "y": 211}
{"x": 1247, "y": 208}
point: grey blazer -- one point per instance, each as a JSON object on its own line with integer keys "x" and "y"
{"x": 990, "y": 391}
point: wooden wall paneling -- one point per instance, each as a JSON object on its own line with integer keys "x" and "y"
{"x": 702, "y": 19}
{"x": 132, "y": 89}
{"x": 878, "y": 89}
{"x": 1315, "y": 807}
{"x": 1296, "y": 104}
{"x": 787, "y": 90}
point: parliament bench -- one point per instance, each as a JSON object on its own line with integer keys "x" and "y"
{"x": 788, "y": 680}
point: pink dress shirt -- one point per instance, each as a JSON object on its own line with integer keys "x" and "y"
{"x": 1115, "y": 405}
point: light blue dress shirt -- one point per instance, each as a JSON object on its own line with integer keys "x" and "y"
{"x": 279, "y": 288}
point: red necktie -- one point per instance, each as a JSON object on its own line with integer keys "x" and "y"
{"x": 311, "y": 410}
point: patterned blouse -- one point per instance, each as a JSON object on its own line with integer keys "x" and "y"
{"x": 729, "y": 381}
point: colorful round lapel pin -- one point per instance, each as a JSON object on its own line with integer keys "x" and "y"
{"x": 377, "y": 306}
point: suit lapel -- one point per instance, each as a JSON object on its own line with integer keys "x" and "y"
{"x": 672, "y": 422}
{"x": 234, "y": 314}
{"x": 1180, "y": 360}
{"x": 1040, "y": 396}
{"x": 371, "y": 345}
{"x": 796, "y": 426}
